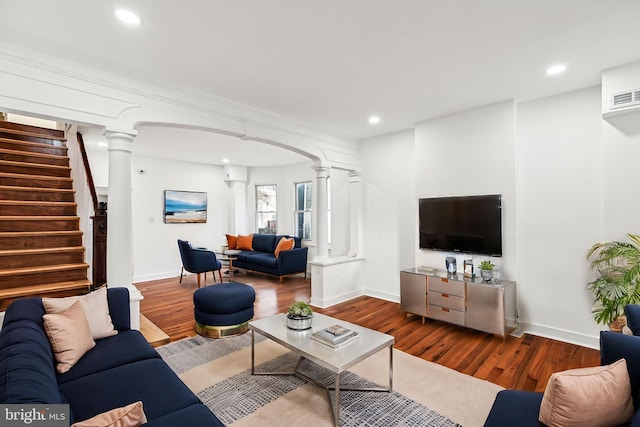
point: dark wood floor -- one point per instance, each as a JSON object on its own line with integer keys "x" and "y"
{"x": 522, "y": 363}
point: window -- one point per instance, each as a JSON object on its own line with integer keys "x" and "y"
{"x": 266, "y": 215}
{"x": 303, "y": 210}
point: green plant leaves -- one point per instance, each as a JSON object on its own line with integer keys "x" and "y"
{"x": 617, "y": 283}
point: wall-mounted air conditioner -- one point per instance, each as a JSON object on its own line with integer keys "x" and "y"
{"x": 624, "y": 99}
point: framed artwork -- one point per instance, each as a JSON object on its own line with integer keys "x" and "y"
{"x": 468, "y": 268}
{"x": 183, "y": 207}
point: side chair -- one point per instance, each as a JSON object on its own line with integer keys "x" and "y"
{"x": 198, "y": 261}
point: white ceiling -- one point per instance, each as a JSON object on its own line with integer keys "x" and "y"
{"x": 331, "y": 64}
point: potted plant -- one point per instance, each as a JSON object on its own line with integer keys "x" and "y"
{"x": 299, "y": 316}
{"x": 486, "y": 270}
{"x": 617, "y": 283}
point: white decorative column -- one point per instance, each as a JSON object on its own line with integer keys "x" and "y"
{"x": 321, "y": 212}
{"x": 355, "y": 213}
{"x": 119, "y": 219}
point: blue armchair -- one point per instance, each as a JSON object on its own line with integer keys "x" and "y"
{"x": 521, "y": 408}
{"x": 198, "y": 261}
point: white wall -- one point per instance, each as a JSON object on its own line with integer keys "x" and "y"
{"x": 390, "y": 211}
{"x": 470, "y": 153}
{"x": 155, "y": 249}
{"x": 567, "y": 178}
{"x": 560, "y": 199}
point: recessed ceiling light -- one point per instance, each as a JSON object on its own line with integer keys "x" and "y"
{"x": 556, "y": 69}
{"x": 225, "y": 160}
{"x": 127, "y": 17}
{"x": 374, "y": 120}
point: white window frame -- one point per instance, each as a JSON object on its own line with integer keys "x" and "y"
{"x": 270, "y": 228}
{"x": 307, "y": 209}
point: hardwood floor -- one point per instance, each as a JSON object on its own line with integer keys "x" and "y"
{"x": 522, "y": 363}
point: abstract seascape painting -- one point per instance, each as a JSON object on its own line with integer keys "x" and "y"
{"x": 182, "y": 207}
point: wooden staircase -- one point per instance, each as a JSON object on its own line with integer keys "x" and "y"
{"x": 41, "y": 252}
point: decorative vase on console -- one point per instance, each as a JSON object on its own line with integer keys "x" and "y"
{"x": 450, "y": 262}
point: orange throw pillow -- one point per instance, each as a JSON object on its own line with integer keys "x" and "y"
{"x": 284, "y": 245}
{"x": 245, "y": 243}
{"x": 232, "y": 241}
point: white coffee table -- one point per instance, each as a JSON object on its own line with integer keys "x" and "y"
{"x": 336, "y": 360}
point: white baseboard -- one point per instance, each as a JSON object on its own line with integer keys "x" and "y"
{"x": 382, "y": 295}
{"x": 561, "y": 335}
{"x": 156, "y": 276}
{"x": 324, "y": 303}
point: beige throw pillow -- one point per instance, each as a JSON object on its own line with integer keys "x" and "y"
{"x": 69, "y": 336}
{"x": 96, "y": 308}
{"x": 599, "y": 396}
{"x": 128, "y": 416}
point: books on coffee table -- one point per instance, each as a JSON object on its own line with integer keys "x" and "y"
{"x": 334, "y": 336}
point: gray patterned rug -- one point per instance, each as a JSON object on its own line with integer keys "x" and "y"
{"x": 218, "y": 371}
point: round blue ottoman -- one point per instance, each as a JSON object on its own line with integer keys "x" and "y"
{"x": 223, "y": 310}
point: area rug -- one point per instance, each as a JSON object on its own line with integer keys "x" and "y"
{"x": 424, "y": 393}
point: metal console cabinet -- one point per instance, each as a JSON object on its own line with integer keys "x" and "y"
{"x": 491, "y": 307}
{"x": 413, "y": 292}
{"x": 487, "y": 307}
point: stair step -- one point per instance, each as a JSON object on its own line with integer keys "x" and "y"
{"x": 60, "y": 289}
{"x": 54, "y": 142}
{"x": 20, "y": 258}
{"x": 8, "y": 192}
{"x": 39, "y": 239}
{"x": 33, "y": 147}
{"x": 33, "y": 158}
{"x": 34, "y": 168}
{"x": 28, "y": 276}
{"x": 34, "y": 131}
{"x": 38, "y": 181}
{"x": 39, "y": 223}
{"x": 36, "y": 208}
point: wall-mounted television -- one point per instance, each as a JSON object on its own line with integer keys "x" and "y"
{"x": 182, "y": 207}
{"x": 467, "y": 224}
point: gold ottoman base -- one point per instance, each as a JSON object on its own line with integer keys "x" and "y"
{"x": 221, "y": 331}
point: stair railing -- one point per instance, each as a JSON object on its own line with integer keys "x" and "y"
{"x": 99, "y": 261}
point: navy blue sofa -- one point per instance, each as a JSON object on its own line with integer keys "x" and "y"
{"x": 119, "y": 370}
{"x": 521, "y": 408}
{"x": 263, "y": 259}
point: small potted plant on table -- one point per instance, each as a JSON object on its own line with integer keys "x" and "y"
{"x": 299, "y": 316}
{"x": 486, "y": 270}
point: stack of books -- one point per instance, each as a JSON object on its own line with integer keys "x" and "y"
{"x": 334, "y": 336}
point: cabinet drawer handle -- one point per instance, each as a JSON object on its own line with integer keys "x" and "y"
{"x": 445, "y": 295}
{"x": 446, "y": 310}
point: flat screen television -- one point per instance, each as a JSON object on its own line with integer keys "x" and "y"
{"x": 467, "y": 224}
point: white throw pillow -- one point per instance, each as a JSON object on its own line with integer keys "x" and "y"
{"x": 95, "y": 306}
